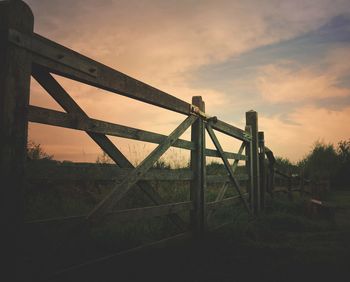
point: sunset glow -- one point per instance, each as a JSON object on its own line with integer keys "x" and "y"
{"x": 288, "y": 60}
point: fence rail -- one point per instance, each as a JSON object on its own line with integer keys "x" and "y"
{"x": 25, "y": 54}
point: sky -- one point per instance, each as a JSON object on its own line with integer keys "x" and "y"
{"x": 288, "y": 60}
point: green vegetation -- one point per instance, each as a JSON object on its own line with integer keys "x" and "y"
{"x": 327, "y": 162}
{"x": 287, "y": 234}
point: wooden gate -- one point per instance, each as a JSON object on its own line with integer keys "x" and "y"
{"x": 25, "y": 54}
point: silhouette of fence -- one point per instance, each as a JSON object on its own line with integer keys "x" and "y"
{"x": 25, "y": 54}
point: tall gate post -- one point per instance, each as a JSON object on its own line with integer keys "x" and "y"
{"x": 198, "y": 163}
{"x": 262, "y": 168}
{"x": 15, "y": 71}
{"x": 249, "y": 169}
{"x": 252, "y": 122}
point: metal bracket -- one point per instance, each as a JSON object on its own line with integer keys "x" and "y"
{"x": 247, "y": 135}
{"x": 196, "y": 111}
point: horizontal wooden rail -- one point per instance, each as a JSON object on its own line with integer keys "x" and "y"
{"x": 126, "y": 215}
{"x": 224, "y": 202}
{"x": 80, "y": 122}
{"x": 230, "y": 130}
{"x": 42, "y": 170}
{"x": 68, "y": 63}
{"x": 225, "y": 178}
{"x": 158, "y": 244}
{"x": 92, "y": 172}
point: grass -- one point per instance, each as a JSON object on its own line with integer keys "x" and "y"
{"x": 276, "y": 243}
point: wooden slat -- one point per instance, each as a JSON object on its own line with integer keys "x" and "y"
{"x": 147, "y": 212}
{"x": 198, "y": 166}
{"x": 15, "y": 69}
{"x": 225, "y": 178}
{"x": 46, "y": 80}
{"x": 229, "y": 155}
{"x": 119, "y": 191}
{"x": 230, "y": 130}
{"x": 227, "y": 165}
{"x": 94, "y": 262}
{"x": 252, "y": 121}
{"x": 94, "y": 172}
{"x": 225, "y": 202}
{"x": 81, "y": 122}
{"x": 125, "y": 215}
{"x": 223, "y": 189}
{"x": 68, "y": 63}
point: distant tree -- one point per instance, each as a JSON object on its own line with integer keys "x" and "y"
{"x": 285, "y": 165}
{"x": 36, "y": 152}
{"x": 321, "y": 162}
{"x": 342, "y": 176}
{"x": 343, "y": 151}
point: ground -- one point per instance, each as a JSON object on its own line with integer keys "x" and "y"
{"x": 284, "y": 244}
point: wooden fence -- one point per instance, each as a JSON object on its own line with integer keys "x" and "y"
{"x": 24, "y": 53}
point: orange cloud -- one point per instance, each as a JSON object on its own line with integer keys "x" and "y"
{"x": 293, "y": 140}
{"x": 278, "y": 84}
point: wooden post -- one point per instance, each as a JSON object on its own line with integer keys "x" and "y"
{"x": 262, "y": 169}
{"x": 198, "y": 184}
{"x": 252, "y": 121}
{"x": 272, "y": 179}
{"x": 15, "y": 71}
{"x": 249, "y": 169}
{"x": 301, "y": 183}
{"x": 290, "y": 196}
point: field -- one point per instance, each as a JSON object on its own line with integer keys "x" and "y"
{"x": 289, "y": 242}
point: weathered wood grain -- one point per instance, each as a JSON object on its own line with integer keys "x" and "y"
{"x": 15, "y": 69}
{"x": 119, "y": 191}
{"x": 227, "y": 165}
{"x": 68, "y": 63}
{"x": 46, "y": 80}
{"x": 222, "y": 191}
{"x": 224, "y": 202}
{"x": 124, "y": 215}
{"x": 230, "y": 130}
{"x": 97, "y": 172}
{"x": 81, "y": 122}
{"x": 197, "y": 163}
{"x": 262, "y": 167}
{"x": 252, "y": 121}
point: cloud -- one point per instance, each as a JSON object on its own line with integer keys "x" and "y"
{"x": 294, "y": 82}
{"x": 280, "y": 84}
{"x": 158, "y": 41}
{"x": 311, "y": 124}
{"x": 163, "y": 42}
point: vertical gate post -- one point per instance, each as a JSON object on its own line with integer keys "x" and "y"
{"x": 15, "y": 71}
{"x": 252, "y": 121}
{"x": 301, "y": 183}
{"x": 262, "y": 169}
{"x": 249, "y": 169}
{"x": 198, "y": 184}
{"x": 290, "y": 195}
{"x": 271, "y": 179}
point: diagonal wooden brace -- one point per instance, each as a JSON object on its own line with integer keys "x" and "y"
{"x": 119, "y": 191}
{"x": 46, "y": 80}
{"x": 227, "y": 165}
{"x": 224, "y": 187}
